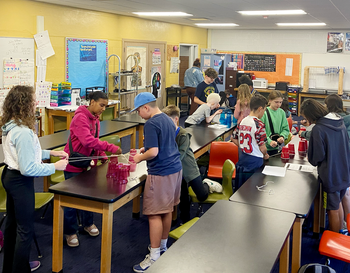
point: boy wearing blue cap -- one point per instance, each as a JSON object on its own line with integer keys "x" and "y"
{"x": 163, "y": 184}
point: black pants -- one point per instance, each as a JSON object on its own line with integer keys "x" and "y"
{"x": 19, "y": 227}
{"x": 199, "y": 188}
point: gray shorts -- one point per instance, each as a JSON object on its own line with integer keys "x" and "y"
{"x": 161, "y": 193}
{"x": 331, "y": 200}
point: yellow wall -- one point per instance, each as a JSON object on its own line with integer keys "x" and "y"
{"x": 18, "y": 19}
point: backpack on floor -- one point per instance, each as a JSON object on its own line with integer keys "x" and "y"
{"x": 1, "y": 240}
{"x": 316, "y": 268}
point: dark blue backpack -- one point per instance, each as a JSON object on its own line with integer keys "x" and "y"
{"x": 316, "y": 268}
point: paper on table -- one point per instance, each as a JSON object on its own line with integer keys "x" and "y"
{"x": 274, "y": 171}
{"x": 217, "y": 126}
{"x": 293, "y": 167}
{"x": 299, "y": 167}
{"x": 309, "y": 169}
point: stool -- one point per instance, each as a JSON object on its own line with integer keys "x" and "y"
{"x": 178, "y": 232}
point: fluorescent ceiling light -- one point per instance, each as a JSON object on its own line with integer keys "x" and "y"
{"x": 162, "y": 14}
{"x": 271, "y": 12}
{"x": 299, "y": 24}
{"x": 217, "y": 25}
{"x": 198, "y": 19}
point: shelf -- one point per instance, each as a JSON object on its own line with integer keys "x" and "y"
{"x": 122, "y": 74}
{"x": 128, "y": 92}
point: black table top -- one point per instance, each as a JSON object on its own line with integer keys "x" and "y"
{"x": 249, "y": 239}
{"x": 93, "y": 185}
{"x": 131, "y": 118}
{"x": 293, "y": 193}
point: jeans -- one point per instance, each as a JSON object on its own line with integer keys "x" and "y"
{"x": 70, "y": 214}
{"x": 199, "y": 188}
{"x": 19, "y": 227}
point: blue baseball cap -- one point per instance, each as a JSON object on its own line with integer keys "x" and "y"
{"x": 142, "y": 99}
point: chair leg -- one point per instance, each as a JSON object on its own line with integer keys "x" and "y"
{"x": 37, "y": 246}
{"x": 199, "y": 209}
{"x": 45, "y": 210}
{"x": 2, "y": 220}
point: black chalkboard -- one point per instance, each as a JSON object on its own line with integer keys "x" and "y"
{"x": 258, "y": 62}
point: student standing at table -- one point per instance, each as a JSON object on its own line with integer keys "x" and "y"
{"x": 84, "y": 131}
{"x": 163, "y": 183}
{"x": 203, "y": 111}
{"x": 23, "y": 162}
{"x": 276, "y": 124}
{"x": 193, "y": 77}
{"x": 190, "y": 172}
{"x": 250, "y": 137}
{"x": 242, "y": 108}
{"x": 329, "y": 150}
{"x": 206, "y": 87}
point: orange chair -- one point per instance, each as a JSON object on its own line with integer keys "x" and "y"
{"x": 219, "y": 152}
{"x": 290, "y": 123}
{"x": 336, "y": 245}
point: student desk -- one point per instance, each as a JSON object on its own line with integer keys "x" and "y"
{"x": 134, "y": 118}
{"x": 293, "y": 193}
{"x": 92, "y": 191}
{"x": 203, "y": 136}
{"x": 69, "y": 111}
{"x": 229, "y": 237}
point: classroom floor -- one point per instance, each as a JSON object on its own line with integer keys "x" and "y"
{"x": 130, "y": 241}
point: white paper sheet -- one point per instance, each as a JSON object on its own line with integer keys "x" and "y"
{"x": 40, "y": 73}
{"x": 289, "y": 66}
{"x": 274, "y": 171}
{"x": 174, "y": 65}
{"x": 43, "y": 43}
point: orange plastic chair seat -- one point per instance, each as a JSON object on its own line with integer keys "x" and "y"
{"x": 335, "y": 245}
{"x": 216, "y": 172}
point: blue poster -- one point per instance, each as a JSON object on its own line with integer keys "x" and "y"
{"x": 87, "y": 53}
{"x": 86, "y": 62}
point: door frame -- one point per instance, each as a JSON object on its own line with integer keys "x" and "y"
{"x": 193, "y": 48}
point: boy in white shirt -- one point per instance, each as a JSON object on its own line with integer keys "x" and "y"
{"x": 203, "y": 111}
{"x": 250, "y": 136}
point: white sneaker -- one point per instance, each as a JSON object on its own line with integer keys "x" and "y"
{"x": 213, "y": 185}
{"x": 144, "y": 265}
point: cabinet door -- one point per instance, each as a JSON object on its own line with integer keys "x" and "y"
{"x": 230, "y": 81}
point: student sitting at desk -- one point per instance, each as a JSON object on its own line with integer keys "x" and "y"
{"x": 227, "y": 100}
{"x": 329, "y": 150}
{"x": 190, "y": 172}
{"x": 203, "y": 111}
{"x": 250, "y": 137}
{"x": 84, "y": 131}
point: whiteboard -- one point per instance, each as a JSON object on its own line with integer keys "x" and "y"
{"x": 15, "y": 48}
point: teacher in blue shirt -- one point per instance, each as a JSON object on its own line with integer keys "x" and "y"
{"x": 193, "y": 77}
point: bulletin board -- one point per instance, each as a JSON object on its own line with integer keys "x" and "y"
{"x": 280, "y": 74}
{"x": 22, "y": 48}
{"x": 170, "y": 52}
{"x": 86, "y": 63}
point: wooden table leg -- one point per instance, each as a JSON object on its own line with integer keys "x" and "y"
{"x": 136, "y": 207}
{"x": 133, "y": 139}
{"x": 106, "y": 241}
{"x": 57, "y": 235}
{"x": 317, "y": 211}
{"x": 140, "y": 130}
{"x": 51, "y": 123}
{"x": 46, "y": 183}
{"x": 296, "y": 244}
{"x": 70, "y": 116}
{"x": 284, "y": 257}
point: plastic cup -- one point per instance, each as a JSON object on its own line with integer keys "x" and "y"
{"x": 284, "y": 156}
{"x": 132, "y": 167}
{"x": 285, "y": 150}
{"x": 291, "y": 148}
{"x": 302, "y": 146}
{"x": 114, "y": 159}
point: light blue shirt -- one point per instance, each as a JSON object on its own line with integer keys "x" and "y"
{"x": 193, "y": 77}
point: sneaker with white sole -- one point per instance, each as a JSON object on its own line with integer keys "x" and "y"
{"x": 213, "y": 185}
{"x": 144, "y": 265}
{"x": 72, "y": 240}
{"x": 162, "y": 250}
{"x": 92, "y": 230}
{"x": 34, "y": 265}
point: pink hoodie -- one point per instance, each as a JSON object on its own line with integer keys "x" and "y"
{"x": 82, "y": 134}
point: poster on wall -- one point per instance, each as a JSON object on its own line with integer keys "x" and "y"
{"x": 206, "y": 62}
{"x": 156, "y": 84}
{"x": 156, "y": 56}
{"x": 347, "y": 42}
{"x": 335, "y": 42}
{"x": 140, "y": 55}
{"x": 86, "y": 63}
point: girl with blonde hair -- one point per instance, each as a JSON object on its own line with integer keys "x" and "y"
{"x": 242, "y": 108}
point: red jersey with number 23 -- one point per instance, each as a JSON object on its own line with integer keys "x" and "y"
{"x": 251, "y": 134}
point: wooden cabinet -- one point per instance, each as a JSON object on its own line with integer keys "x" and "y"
{"x": 231, "y": 80}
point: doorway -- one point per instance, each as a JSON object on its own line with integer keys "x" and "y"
{"x": 188, "y": 53}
